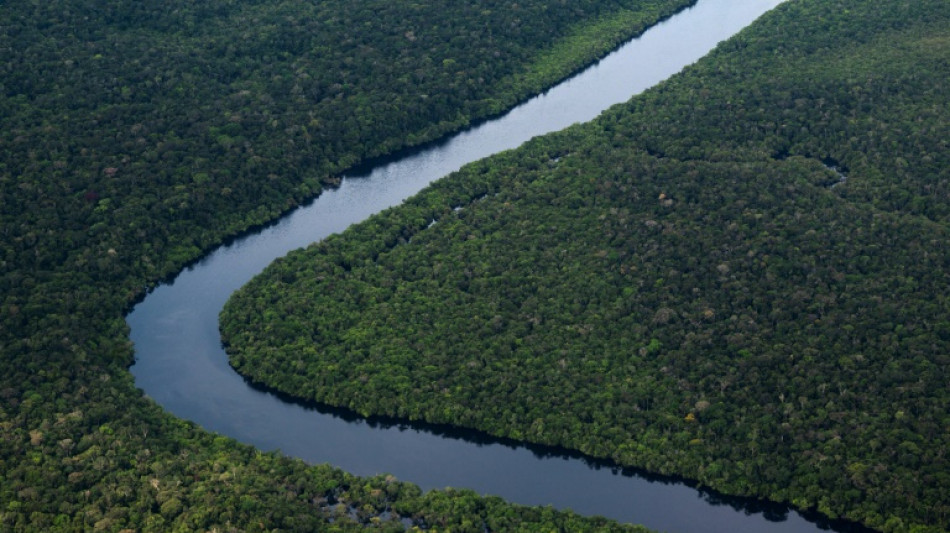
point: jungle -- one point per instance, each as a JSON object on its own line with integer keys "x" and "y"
{"x": 136, "y": 135}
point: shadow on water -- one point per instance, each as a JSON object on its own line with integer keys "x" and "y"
{"x": 770, "y": 511}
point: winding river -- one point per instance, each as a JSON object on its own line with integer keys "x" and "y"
{"x": 181, "y": 365}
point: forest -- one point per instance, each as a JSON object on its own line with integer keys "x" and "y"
{"x": 136, "y": 135}
{"x": 740, "y": 277}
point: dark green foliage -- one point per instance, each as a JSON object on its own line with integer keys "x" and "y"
{"x": 682, "y": 285}
{"x": 136, "y": 134}
{"x": 155, "y": 122}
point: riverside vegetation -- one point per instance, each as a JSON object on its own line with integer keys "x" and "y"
{"x": 683, "y": 285}
{"x": 136, "y": 135}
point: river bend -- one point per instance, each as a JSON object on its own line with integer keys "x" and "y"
{"x": 181, "y": 365}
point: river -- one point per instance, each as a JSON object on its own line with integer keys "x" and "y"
{"x": 180, "y": 363}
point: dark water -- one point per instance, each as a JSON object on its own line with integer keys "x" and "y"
{"x": 180, "y": 363}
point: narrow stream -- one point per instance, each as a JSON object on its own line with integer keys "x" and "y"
{"x": 181, "y": 365}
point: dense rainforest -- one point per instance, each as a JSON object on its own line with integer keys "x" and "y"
{"x": 134, "y": 135}
{"x": 741, "y": 277}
